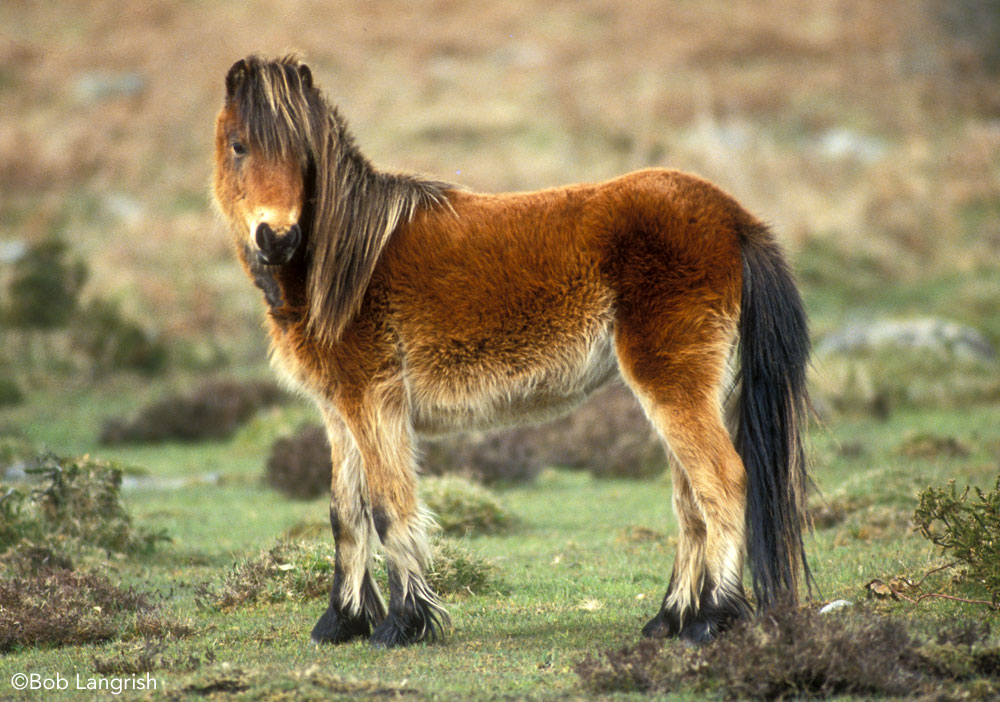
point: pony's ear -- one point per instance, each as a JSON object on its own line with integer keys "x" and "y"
{"x": 235, "y": 77}
{"x": 306, "y": 76}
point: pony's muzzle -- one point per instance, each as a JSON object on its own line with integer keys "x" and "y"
{"x": 277, "y": 249}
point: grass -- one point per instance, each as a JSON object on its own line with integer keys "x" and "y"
{"x": 576, "y": 580}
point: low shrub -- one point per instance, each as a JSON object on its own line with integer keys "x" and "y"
{"x": 10, "y": 393}
{"x": 214, "y": 411}
{"x": 966, "y": 528}
{"x": 45, "y": 287}
{"x": 508, "y": 456}
{"x": 796, "y": 653}
{"x": 75, "y": 506}
{"x": 112, "y": 342}
{"x": 60, "y": 608}
{"x": 299, "y": 466}
{"x": 608, "y": 436}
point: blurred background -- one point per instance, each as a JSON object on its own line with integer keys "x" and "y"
{"x": 867, "y": 133}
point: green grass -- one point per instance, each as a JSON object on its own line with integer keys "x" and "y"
{"x": 577, "y": 579}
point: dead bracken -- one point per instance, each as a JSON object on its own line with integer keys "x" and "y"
{"x": 788, "y": 653}
{"x": 61, "y": 607}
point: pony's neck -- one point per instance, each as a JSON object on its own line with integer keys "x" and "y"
{"x": 356, "y": 209}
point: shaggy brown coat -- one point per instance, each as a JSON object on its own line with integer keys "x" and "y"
{"x": 405, "y": 306}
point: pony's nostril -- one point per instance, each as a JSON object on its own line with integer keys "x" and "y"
{"x": 265, "y": 236}
{"x": 275, "y": 249}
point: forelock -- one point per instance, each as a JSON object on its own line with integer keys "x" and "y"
{"x": 277, "y": 107}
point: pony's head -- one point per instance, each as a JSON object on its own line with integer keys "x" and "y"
{"x": 290, "y": 179}
{"x": 265, "y": 136}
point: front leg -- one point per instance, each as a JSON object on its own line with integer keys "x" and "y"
{"x": 384, "y": 436}
{"x": 415, "y": 612}
{"x": 356, "y": 606}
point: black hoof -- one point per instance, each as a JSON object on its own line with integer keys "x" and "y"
{"x": 412, "y": 625}
{"x": 713, "y": 617}
{"x": 699, "y": 631}
{"x": 663, "y": 626}
{"x": 394, "y": 631}
{"x": 335, "y": 627}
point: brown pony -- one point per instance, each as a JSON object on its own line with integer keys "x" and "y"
{"x": 404, "y": 306}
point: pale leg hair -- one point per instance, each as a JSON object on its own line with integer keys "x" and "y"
{"x": 350, "y": 514}
{"x": 385, "y": 442}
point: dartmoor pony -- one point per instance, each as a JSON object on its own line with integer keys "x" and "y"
{"x": 405, "y": 306}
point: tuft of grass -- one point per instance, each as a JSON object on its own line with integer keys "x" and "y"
{"x": 76, "y": 506}
{"x": 797, "y": 653}
{"x": 286, "y": 570}
{"x": 931, "y": 445}
{"x": 966, "y": 529}
{"x": 457, "y": 571}
{"x": 60, "y": 608}
{"x": 462, "y": 507}
{"x": 304, "y": 571}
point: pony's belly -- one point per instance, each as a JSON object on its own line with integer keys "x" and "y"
{"x": 483, "y": 397}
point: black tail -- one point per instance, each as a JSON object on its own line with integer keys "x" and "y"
{"x": 771, "y": 412}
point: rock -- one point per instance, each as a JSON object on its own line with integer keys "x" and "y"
{"x": 12, "y": 250}
{"x": 95, "y": 86}
{"x": 941, "y": 336}
{"x": 124, "y": 208}
{"x": 834, "y": 606}
{"x": 843, "y": 143}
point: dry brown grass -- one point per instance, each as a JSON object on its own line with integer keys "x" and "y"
{"x": 506, "y": 96}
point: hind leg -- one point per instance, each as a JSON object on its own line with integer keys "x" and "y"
{"x": 706, "y": 592}
{"x": 385, "y": 443}
{"x": 356, "y": 606}
{"x": 678, "y": 386}
{"x": 681, "y": 602}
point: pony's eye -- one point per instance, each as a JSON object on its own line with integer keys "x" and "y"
{"x": 239, "y": 149}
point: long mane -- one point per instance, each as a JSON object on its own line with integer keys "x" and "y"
{"x": 351, "y": 209}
